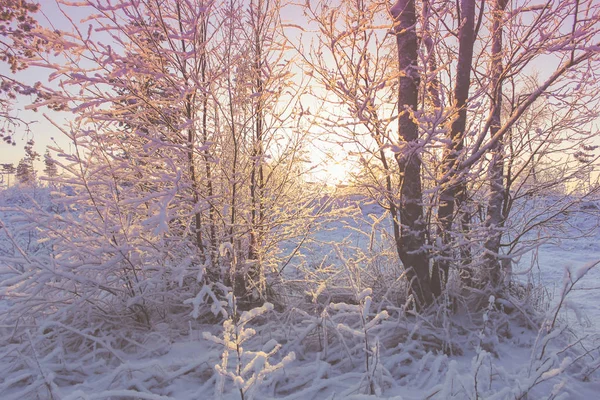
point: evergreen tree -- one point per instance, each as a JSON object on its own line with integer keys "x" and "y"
{"x": 25, "y": 172}
{"x": 8, "y": 170}
{"x": 20, "y": 44}
{"x": 51, "y": 170}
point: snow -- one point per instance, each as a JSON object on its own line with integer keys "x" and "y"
{"x": 323, "y": 353}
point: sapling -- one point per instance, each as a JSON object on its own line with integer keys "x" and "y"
{"x": 249, "y": 368}
{"x": 368, "y": 320}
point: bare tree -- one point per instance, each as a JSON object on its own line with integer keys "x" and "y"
{"x": 182, "y": 150}
{"x": 413, "y": 233}
{"x": 496, "y": 198}
{"x": 452, "y": 191}
{"x": 435, "y": 206}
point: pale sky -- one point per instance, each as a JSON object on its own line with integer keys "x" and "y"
{"x": 44, "y": 133}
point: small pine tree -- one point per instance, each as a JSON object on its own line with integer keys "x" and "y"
{"x": 51, "y": 170}
{"x": 8, "y": 170}
{"x": 25, "y": 173}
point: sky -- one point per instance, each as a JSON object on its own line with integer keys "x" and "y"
{"x": 44, "y": 133}
{"x": 41, "y": 129}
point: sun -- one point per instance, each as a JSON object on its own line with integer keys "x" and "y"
{"x": 331, "y": 173}
{"x": 338, "y": 172}
{"x": 331, "y": 165}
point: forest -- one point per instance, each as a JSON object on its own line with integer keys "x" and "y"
{"x": 319, "y": 199}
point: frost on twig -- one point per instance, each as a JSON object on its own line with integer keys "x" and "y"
{"x": 247, "y": 369}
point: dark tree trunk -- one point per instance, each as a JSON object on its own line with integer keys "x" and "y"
{"x": 452, "y": 181}
{"x": 411, "y": 248}
{"x": 257, "y": 184}
{"x": 191, "y": 143}
{"x": 494, "y": 219}
{"x": 433, "y": 84}
{"x": 212, "y": 235}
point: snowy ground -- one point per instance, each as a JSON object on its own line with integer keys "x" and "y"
{"x": 548, "y": 265}
{"x": 502, "y": 359}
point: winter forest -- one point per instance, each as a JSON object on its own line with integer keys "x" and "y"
{"x": 319, "y": 199}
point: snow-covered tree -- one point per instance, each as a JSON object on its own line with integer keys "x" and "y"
{"x": 25, "y": 172}
{"x": 179, "y": 146}
{"x": 462, "y": 122}
{"x": 50, "y": 169}
{"x": 7, "y": 171}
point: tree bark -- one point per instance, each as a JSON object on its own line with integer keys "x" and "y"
{"x": 412, "y": 247}
{"x": 207, "y": 158}
{"x": 259, "y": 17}
{"x": 191, "y": 143}
{"x": 433, "y": 83}
{"x": 494, "y": 217}
{"x": 452, "y": 182}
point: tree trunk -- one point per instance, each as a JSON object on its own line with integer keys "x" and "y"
{"x": 433, "y": 83}
{"x": 494, "y": 218}
{"x": 452, "y": 182}
{"x": 256, "y": 274}
{"x": 412, "y": 247}
{"x": 191, "y": 143}
{"x": 212, "y": 235}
